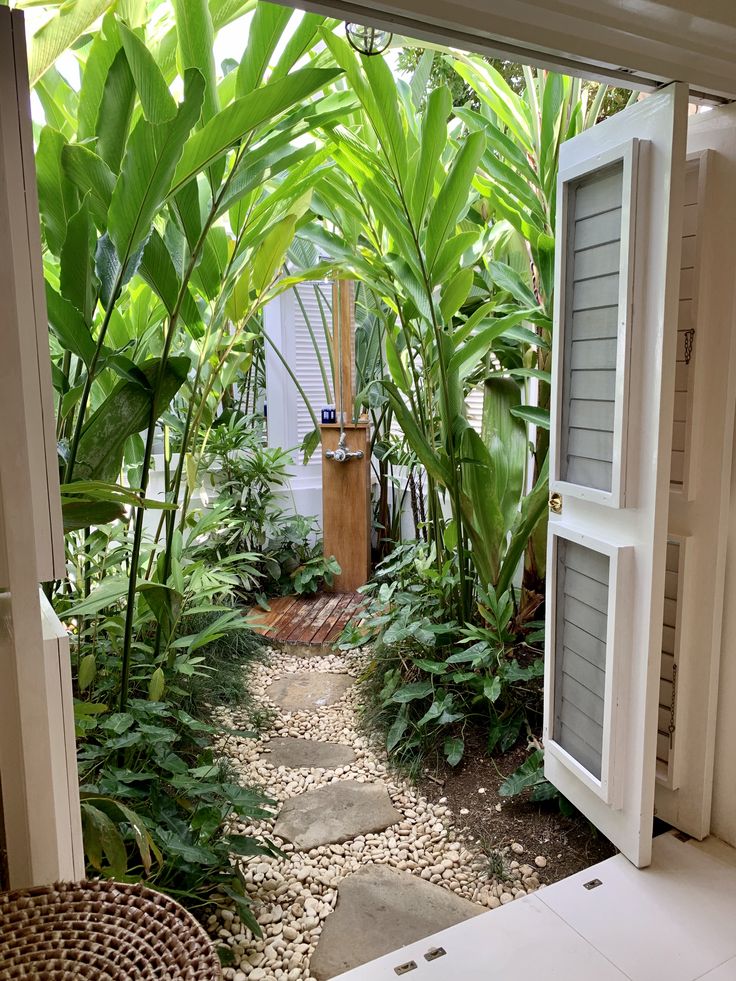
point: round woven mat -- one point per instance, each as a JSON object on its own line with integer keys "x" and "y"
{"x": 101, "y": 930}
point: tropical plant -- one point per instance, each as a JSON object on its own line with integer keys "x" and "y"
{"x": 408, "y": 227}
{"x": 431, "y": 678}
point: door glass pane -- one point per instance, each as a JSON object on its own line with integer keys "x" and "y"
{"x": 580, "y": 658}
{"x": 591, "y": 327}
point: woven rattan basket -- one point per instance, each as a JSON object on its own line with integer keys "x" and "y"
{"x": 101, "y": 930}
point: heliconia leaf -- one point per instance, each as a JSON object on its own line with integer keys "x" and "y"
{"x": 269, "y": 257}
{"x": 157, "y": 269}
{"x": 433, "y": 142}
{"x": 58, "y": 200}
{"x": 116, "y": 112}
{"x": 243, "y": 116}
{"x": 455, "y": 293}
{"x": 125, "y": 411}
{"x": 151, "y": 157}
{"x": 453, "y": 196}
{"x": 505, "y": 437}
{"x": 68, "y": 324}
{"x": 266, "y": 28}
{"x": 60, "y": 33}
{"x": 87, "y": 514}
{"x": 105, "y": 45}
{"x": 303, "y": 37}
{"x": 77, "y": 280}
{"x": 533, "y": 414}
{"x": 196, "y": 39}
{"x": 93, "y": 178}
{"x": 156, "y": 99}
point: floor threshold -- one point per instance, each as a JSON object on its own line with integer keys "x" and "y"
{"x": 671, "y": 922}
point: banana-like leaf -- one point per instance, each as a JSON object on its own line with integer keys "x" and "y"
{"x": 196, "y": 37}
{"x": 105, "y": 45}
{"x": 157, "y": 102}
{"x": 268, "y": 24}
{"x": 431, "y": 457}
{"x": 58, "y": 200}
{"x": 78, "y": 282}
{"x": 125, "y": 411}
{"x": 452, "y": 199}
{"x": 89, "y": 514}
{"x": 151, "y": 157}
{"x": 60, "y": 33}
{"x": 68, "y": 324}
{"x": 116, "y": 112}
{"x": 93, "y": 178}
{"x": 505, "y": 437}
{"x": 533, "y": 509}
{"x": 244, "y": 115}
{"x": 432, "y": 143}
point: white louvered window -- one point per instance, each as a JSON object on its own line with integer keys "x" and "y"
{"x": 315, "y": 297}
{"x": 582, "y": 631}
{"x": 593, "y": 351}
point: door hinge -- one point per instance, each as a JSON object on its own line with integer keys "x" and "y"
{"x": 689, "y": 338}
{"x": 673, "y": 700}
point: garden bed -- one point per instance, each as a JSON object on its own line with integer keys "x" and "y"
{"x": 471, "y": 791}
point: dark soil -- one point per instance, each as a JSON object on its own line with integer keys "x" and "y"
{"x": 570, "y": 844}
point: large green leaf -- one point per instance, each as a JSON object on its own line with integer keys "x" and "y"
{"x": 105, "y": 45}
{"x": 57, "y": 198}
{"x": 505, "y": 436}
{"x": 150, "y": 160}
{"x": 77, "y": 280}
{"x": 266, "y": 28}
{"x": 157, "y": 268}
{"x": 60, "y": 32}
{"x": 433, "y": 142}
{"x": 533, "y": 509}
{"x": 234, "y": 122}
{"x": 68, "y": 324}
{"x": 93, "y": 178}
{"x": 196, "y": 48}
{"x": 125, "y": 411}
{"x": 157, "y": 102}
{"x": 116, "y": 112}
{"x": 452, "y": 199}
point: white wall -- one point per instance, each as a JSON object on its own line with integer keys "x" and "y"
{"x": 723, "y": 820}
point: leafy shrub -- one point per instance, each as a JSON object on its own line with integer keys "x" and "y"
{"x": 156, "y": 800}
{"x": 429, "y": 677}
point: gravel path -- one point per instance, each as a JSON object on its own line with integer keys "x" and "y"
{"x": 292, "y": 897}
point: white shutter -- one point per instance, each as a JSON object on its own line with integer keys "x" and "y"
{"x": 306, "y": 362}
{"x": 616, "y": 292}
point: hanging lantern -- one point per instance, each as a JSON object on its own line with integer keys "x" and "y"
{"x": 368, "y": 40}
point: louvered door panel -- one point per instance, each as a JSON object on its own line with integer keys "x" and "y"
{"x": 582, "y": 625}
{"x": 597, "y": 258}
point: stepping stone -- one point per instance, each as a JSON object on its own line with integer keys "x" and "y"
{"x": 296, "y": 753}
{"x": 380, "y": 910}
{"x": 308, "y": 690}
{"x": 335, "y": 813}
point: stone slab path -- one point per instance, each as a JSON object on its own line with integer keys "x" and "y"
{"x": 294, "y": 897}
{"x": 297, "y": 753}
{"x": 380, "y": 910}
{"x": 335, "y": 814}
{"x": 308, "y": 690}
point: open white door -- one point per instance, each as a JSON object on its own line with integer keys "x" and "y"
{"x": 619, "y": 219}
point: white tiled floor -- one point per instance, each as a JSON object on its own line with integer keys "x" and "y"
{"x": 675, "y": 921}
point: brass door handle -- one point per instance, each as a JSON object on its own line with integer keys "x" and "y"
{"x": 555, "y": 503}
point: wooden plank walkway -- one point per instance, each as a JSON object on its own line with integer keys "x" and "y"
{"x": 306, "y": 619}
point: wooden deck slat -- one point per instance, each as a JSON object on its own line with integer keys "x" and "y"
{"x": 312, "y": 620}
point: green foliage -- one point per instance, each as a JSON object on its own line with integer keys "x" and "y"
{"x": 431, "y": 678}
{"x": 163, "y": 817}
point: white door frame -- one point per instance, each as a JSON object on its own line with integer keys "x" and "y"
{"x": 37, "y": 757}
